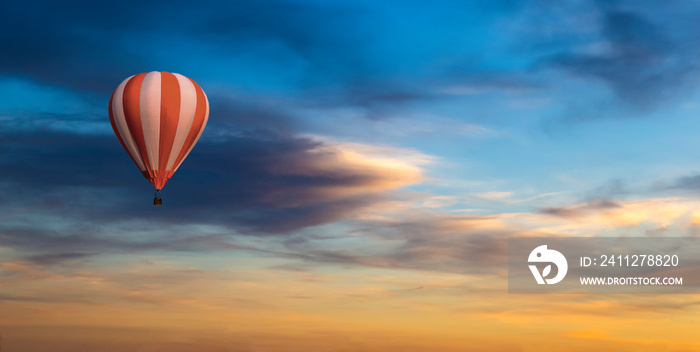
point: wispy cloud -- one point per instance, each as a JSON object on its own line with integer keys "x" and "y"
{"x": 636, "y": 56}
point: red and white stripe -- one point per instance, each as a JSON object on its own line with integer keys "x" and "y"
{"x": 158, "y": 117}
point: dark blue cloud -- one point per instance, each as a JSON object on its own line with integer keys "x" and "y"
{"x": 90, "y": 184}
{"x": 638, "y": 57}
{"x": 341, "y": 53}
{"x": 93, "y": 45}
{"x": 234, "y": 183}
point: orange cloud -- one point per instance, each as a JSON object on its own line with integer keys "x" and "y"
{"x": 356, "y": 168}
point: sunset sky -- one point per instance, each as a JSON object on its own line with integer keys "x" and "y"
{"x": 362, "y": 168}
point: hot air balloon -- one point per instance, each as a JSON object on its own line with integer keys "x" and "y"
{"x": 158, "y": 118}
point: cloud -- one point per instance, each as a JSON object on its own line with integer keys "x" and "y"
{"x": 636, "y": 57}
{"x": 691, "y": 182}
{"x": 321, "y": 54}
{"x": 55, "y": 258}
{"x": 581, "y": 209}
{"x": 470, "y": 245}
{"x": 340, "y": 55}
{"x": 284, "y": 184}
{"x": 256, "y": 181}
{"x": 76, "y": 45}
{"x": 312, "y": 45}
{"x": 644, "y": 217}
{"x": 412, "y": 237}
{"x": 49, "y": 247}
{"x": 67, "y": 45}
{"x": 493, "y": 195}
{"x": 239, "y": 114}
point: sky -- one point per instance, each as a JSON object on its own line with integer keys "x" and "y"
{"x": 362, "y": 168}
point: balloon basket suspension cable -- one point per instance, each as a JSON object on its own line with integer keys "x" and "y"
{"x": 157, "y": 200}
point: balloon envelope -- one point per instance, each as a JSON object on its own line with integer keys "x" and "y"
{"x": 158, "y": 117}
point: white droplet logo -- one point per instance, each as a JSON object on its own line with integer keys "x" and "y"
{"x": 543, "y": 255}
